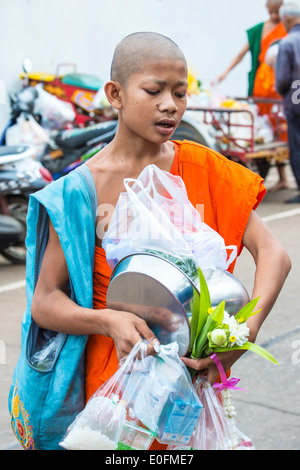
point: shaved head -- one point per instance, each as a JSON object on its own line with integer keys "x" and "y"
{"x": 137, "y": 48}
{"x": 274, "y": 3}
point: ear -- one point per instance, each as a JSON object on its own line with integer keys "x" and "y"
{"x": 113, "y": 94}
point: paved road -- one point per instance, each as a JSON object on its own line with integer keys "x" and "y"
{"x": 269, "y": 410}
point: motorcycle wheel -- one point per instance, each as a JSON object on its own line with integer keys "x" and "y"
{"x": 261, "y": 166}
{"x": 18, "y": 207}
{"x": 187, "y": 132}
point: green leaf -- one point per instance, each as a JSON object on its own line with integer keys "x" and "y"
{"x": 195, "y": 310}
{"x": 205, "y": 302}
{"x": 247, "y": 310}
{"x": 199, "y": 308}
{"x": 213, "y": 321}
{"x": 251, "y": 347}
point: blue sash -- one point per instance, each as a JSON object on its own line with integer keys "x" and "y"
{"x": 44, "y": 399}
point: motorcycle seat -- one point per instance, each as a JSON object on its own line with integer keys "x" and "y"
{"x": 11, "y": 231}
{"x": 77, "y": 138}
{"x": 11, "y": 153}
{"x": 82, "y": 80}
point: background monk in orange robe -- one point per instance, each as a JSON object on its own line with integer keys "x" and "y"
{"x": 262, "y": 76}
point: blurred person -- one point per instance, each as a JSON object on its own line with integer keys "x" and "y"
{"x": 261, "y": 78}
{"x": 288, "y": 83}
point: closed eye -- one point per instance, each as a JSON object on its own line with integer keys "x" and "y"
{"x": 181, "y": 95}
{"x": 152, "y": 93}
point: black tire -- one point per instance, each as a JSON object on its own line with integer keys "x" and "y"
{"x": 262, "y": 166}
{"x": 186, "y": 131}
{"x": 18, "y": 207}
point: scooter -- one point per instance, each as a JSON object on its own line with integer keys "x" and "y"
{"x": 78, "y": 89}
{"x": 11, "y": 234}
{"x": 64, "y": 149}
{"x": 70, "y": 148}
{"x": 20, "y": 176}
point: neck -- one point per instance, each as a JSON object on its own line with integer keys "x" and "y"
{"x": 295, "y": 23}
{"x": 136, "y": 149}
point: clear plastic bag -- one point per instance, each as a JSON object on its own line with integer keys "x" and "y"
{"x": 155, "y": 215}
{"x": 216, "y": 428}
{"x": 44, "y": 358}
{"x": 27, "y": 131}
{"x": 167, "y": 403}
{"x": 129, "y": 410}
{"x": 56, "y": 114}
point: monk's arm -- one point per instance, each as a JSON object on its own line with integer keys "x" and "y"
{"x": 234, "y": 63}
{"x": 52, "y": 309}
{"x": 272, "y": 268}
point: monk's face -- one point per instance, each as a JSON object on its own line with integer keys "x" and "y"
{"x": 154, "y": 99}
{"x": 273, "y": 9}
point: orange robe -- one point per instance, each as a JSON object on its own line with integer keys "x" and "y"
{"x": 264, "y": 84}
{"x": 227, "y": 192}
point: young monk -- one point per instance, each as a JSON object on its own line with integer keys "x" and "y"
{"x": 261, "y": 79}
{"x": 148, "y": 88}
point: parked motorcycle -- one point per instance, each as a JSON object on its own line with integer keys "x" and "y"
{"x": 62, "y": 150}
{"x": 78, "y": 89}
{"x": 20, "y": 176}
{"x": 70, "y": 148}
{"x": 11, "y": 233}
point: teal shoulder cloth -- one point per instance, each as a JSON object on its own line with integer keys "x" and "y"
{"x": 48, "y": 382}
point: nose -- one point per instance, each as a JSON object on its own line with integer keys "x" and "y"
{"x": 167, "y": 103}
{"x": 275, "y": 17}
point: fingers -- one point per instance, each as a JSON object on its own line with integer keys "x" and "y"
{"x": 149, "y": 336}
{"x": 198, "y": 364}
{"x": 206, "y": 367}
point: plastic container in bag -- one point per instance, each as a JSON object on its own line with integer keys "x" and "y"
{"x": 135, "y": 437}
{"x": 125, "y": 412}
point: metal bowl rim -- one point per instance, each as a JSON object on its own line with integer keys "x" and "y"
{"x": 154, "y": 256}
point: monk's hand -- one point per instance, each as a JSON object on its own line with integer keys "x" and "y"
{"x": 208, "y": 369}
{"x": 127, "y": 329}
{"x": 218, "y": 80}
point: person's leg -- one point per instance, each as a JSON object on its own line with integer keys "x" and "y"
{"x": 282, "y": 182}
{"x": 294, "y": 145}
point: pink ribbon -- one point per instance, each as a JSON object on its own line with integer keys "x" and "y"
{"x": 226, "y": 384}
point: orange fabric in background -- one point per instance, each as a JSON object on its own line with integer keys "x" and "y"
{"x": 264, "y": 85}
{"x": 227, "y": 192}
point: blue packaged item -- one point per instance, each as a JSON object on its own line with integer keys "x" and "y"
{"x": 178, "y": 419}
{"x": 167, "y": 402}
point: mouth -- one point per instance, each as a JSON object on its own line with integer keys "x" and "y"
{"x": 166, "y": 125}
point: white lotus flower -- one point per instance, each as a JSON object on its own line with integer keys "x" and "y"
{"x": 238, "y": 332}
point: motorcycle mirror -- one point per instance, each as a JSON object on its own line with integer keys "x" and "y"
{"x": 27, "y": 65}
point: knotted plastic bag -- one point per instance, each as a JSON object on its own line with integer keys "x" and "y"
{"x": 148, "y": 396}
{"x": 216, "y": 428}
{"x": 155, "y": 215}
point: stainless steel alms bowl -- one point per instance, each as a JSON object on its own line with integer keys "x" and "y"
{"x": 159, "y": 292}
{"x": 225, "y": 286}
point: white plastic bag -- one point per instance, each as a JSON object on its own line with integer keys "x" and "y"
{"x": 155, "y": 215}
{"x": 137, "y": 403}
{"x": 56, "y": 114}
{"x": 216, "y": 428}
{"x": 166, "y": 401}
{"x": 45, "y": 357}
{"x": 28, "y": 132}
